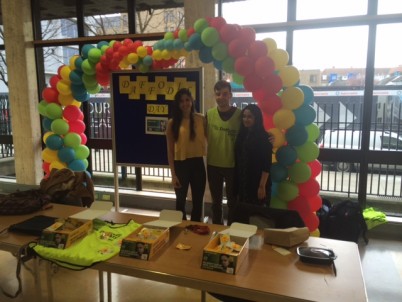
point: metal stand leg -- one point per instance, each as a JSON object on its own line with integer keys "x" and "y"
{"x": 49, "y": 281}
{"x": 109, "y": 286}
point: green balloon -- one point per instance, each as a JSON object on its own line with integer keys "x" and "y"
{"x": 277, "y": 203}
{"x": 183, "y": 35}
{"x": 200, "y": 25}
{"x": 42, "y": 107}
{"x": 89, "y": 80}
{"x": 220, "y": 51}
{"x": 228, "y": 65}
{"x": 168, "y": 36}
{"x": 72, "y": 140}
{"x": 94, "y": 55}
{"x": 54, "y": 111}
{"x": 88, "y": 68}
{"x": 81, "y": 152}
{"x": 210, "y": 36}
{"x": 313, "y": 132}
{"x": 299, "y": 172}
{"x": 238, "y": 79}
{"x": 307, "y": 152}
{"x": 59, "y": 126}
{"x": 287, "y": 190}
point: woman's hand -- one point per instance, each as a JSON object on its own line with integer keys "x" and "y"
{"x": 175, "y": 182}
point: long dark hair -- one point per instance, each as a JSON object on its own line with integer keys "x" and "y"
{"x": 177, "y": 114}
{"x": 258, "y": 126}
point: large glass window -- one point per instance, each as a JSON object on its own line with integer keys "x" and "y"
{"x": 389, "y": 7}
{"x": 254, "y": 11}
{"x": 318, "y": 9}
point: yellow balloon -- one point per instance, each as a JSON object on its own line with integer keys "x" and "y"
{"x": 72, "y": 62}
{"x": 292, "y": 98}
{"x": 49, "y": 155}
{"x": 66, "y": 99}
{"x": 166, "y": 54}
{"x": 176, "y": 54}
{"x": 315, "y": 233}
{"x": 46, "y": 135}
{"x": 157, "y": 55}
{"x": 280, "y": 57}
{"x": 58, "y": 165}
{"x": 132, "y": 58}
{"x": 279, "y": 137}
{"x": 284, "y": 118}
{"x": 65, "y": 73}
{"x": 64, "y": 87}
{"x": 141, "y": 51}
{"x": 289, "y": 75}
{"x": 271, "y": 44}
{"x": 76, "y": 103}
{"x": 124, "y": 63}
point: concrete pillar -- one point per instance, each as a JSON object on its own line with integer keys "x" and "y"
{"x": 193, "y": 10}
{"x": 23, "y": 91}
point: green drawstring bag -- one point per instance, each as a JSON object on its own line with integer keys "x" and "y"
{"x": 101, "y": 244}
{"x": 374, "y": 218}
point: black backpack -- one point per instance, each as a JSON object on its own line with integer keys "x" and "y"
{"x": 342, "y": 221}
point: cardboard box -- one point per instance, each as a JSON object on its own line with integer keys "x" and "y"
{"x": 286, "y": 237}
{"x": 151, "y": 237}
{"x": 65, "y": 232}
{"x": 218, "y": 257}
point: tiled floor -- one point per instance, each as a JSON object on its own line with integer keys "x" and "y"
{"x": 381, "y": 262}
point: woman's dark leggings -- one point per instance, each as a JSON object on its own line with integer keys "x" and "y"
{"x": 191, "y": 172}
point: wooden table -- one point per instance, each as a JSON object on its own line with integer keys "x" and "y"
{"x": 265, "y": 275}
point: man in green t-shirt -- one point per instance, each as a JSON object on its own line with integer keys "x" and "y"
{"x": 223, "y": 123}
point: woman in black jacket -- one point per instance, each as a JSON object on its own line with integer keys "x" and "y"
{"x": 253, "y": 159}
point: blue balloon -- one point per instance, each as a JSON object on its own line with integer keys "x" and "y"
{"x": 195, "y": 41}
{"x": 218, "y": 64}
{"x": 78, "y": 63}
{"x": 102, "y": 43}
{"x": 296, "y": 135}
{"x": 47, "y": 124}
{"x": 76, "y": 76}
{"x": 278, "y": 172}
{"x": 178, "y": 44}
{"x": 54, "y": 142}
{"x": 169, "y": 44}
{"x": 286, "y": 155}
{"x": 308, "y": 94}
{"x": 66, "y": 154}
{"x": 305, "y": 115}
{"x": 85, "y": 49}
{"x": 205, "y": 55}
{"x": 77, "y": 165}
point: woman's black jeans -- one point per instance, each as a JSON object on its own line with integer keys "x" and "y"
{"x": 191, "y": 172}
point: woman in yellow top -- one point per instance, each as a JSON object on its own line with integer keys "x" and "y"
{"x": 186, "y": 146}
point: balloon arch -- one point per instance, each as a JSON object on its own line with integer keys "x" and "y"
{"x": 259, "y": 66}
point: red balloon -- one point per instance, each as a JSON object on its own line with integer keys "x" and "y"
{"x": 273, "y": 83}
{"x": 259, "y": 94}
{"x": 190, "y": 31}
{"x": 71, "y": 113}
{"x": 264, "y": 67}
{"x": 50, "y": 95}
{"x": 257, "y": 49}
{"x": 228, "y": 32}
{"x": 247, "y": 35}
{"x": 127, "y": 41}
{"x": 46, "y": 167}
{"x": 109, "y": 53}
{"x": 311, "y": 221}
{"x": 315, "y": 167}
{"x": 217, "y": 22}
{"x": 300, "y": 204}
{"x": 252, "y": 82}
{"x": 149, "y": 50}
{"x": 116, "y": 45}
{"x": 315, "y": 202}
{"x": 123, "y": 50}
{"x": 268, "y": 121}
{"x": 84, "y": 138}
{"x": 53, "y": 81}
{"x": 270, "y": 104}
{"x": 237, "y": 48}
{"x": 244, "y": 66}
{"x": 103, "y": 78}
{"x": 77, "y": 126}
{"x": 309, "y": 188}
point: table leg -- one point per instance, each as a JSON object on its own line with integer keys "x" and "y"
{"x": 203, "y": 296}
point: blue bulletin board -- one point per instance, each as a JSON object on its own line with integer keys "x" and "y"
{"x": 140, "y": 110}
